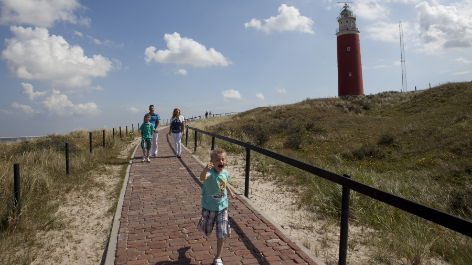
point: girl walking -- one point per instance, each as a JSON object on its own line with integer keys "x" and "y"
{"x": 177, "y": 129}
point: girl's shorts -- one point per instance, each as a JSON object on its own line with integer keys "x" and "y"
{"x": 208, "y": 220}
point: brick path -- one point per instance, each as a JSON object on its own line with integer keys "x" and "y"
{"x": 161, "y": 210}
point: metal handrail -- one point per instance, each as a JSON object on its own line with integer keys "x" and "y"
{"x": 452, "y": 222}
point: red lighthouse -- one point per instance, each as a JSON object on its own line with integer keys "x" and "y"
{"x": 349, "y": 54}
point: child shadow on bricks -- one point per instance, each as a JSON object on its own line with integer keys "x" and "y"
{"x": 183, "y": 258}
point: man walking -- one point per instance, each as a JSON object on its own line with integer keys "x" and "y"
{"x": 156, "y": 121}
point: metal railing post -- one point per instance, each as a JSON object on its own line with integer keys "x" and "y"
{"x": 67, "y": 159}
{"x": 90, "y": 138}
{"x": 248, "y": 166}
{"x": 344, "y": 224}
{"x": 213, "y": 143}
{"x": 195, "y": 150}
{"x": 113, "y": 132}
{"x": 103, "y": 138}
{"x": 126, "y": 130}
{"x": 120, "y": 133}
{"x": 186, "y": 137}
{"x": 16, "y": 184}
{"x": 138, "y": 126}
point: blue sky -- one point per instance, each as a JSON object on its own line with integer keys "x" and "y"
{"x": 68, "y": 64}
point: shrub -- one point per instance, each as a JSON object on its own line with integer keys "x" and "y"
{"x": 294, "y": 141}
{"x": 386, "y": 139}
{"x": 367, "y": 151}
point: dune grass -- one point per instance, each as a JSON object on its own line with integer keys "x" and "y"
{"x": 44, "y": 184}
{"x": 417, "y": 145}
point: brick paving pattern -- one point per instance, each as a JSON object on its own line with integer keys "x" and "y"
{"x": 162, "y": 208}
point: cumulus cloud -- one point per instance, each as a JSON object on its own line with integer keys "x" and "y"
{"x": 281, "y": 90}
{"x": 132, "y": 109}
{"x": 34, "y": 54}
{"x": 78, "y": 33}
{"x": 55, "y": 103}
{"x": 25, "y": 108}
{"x": 443, "y": 27}
{"x": 370, "y": 9}
{"x": 181, "y": 72}
{"x": 185, "y": 51}
{"x": 28, "y": 91}
{"x": 41, "y": 13}
{"x": 59, "y": 104}
{"x": 463, "y": 60}
{"x": 289, "y": 19}
{"x": 231, "y": 94}
{"x": 259, "y": 95}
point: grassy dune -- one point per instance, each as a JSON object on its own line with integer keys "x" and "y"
{"x": 44, "y": 184}
{"x": 417, "y": 145}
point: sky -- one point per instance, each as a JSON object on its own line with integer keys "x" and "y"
{"x": 69, "y": 64}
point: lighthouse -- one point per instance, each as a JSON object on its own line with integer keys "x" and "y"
{"x": 349, "y": 54}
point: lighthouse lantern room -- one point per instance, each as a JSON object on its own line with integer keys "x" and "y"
{"x": 349, "y": 54}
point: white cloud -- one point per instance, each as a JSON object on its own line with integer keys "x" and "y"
{"x": 389, "y": 32}
{"x": 462, "y": 73}
{"x": 185, "y": 51}
{"x": 370, "y": 9}
{"x": 379, "y": 66}
{"x": 181, "y": 72}
{"x": 259, "y": 95}
{"x": 6, "y": 111}
{"x": 25, "y": 108}
{"x": 281, "y": 90}
{"x": 78, "y": 33}
{"x": 461, "y": 59}
{"x": 41, "y": 13}
{"x": 443, "y": 27}
{"x": 95, "y": 41}
{"x": 34, "y": 54}
{"x": 132, "y": 109}
{"x": 28, "y": 91}
{"x": 108, "y": 43}
{"x": 289, "y": 19}
{"x": 59, "y": 104}
{"x": 117, "y": 65}
{"x": 231, "y": 94}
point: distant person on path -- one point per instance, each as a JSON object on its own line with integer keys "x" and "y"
{"x": 215, "y": 200}
{"x": 206, "y": 114}
{"x": 147, "y": 131}
{"x": 156, "y": 121}
{"x": 177, "y": 126}
{"x": 210, "y": 113}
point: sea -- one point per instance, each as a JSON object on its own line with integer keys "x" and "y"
{"x": 12, "y": 139}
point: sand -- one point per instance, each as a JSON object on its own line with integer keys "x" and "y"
{"x": 87, "y": 222}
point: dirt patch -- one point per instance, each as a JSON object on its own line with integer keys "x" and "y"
{"x": 88, "y": 222}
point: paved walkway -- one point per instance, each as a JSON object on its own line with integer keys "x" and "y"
{"x": 161, "y": 210}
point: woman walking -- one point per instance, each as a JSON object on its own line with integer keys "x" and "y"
{"x": 177, "y": 129}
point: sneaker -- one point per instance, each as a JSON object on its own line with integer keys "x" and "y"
{"x": 144, "y": 158}
{"x": 149, "y": 160}
{"x": 217, "y": 262}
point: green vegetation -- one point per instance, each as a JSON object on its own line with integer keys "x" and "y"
{"x": 417, "y": 145}
{"x": 44, "y": 184}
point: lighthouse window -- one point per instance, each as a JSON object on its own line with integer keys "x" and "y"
{"x": 348, "y": 49}
{"x": 350, "y": 74}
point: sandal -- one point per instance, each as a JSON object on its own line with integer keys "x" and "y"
{"x": 217, "y": 262}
